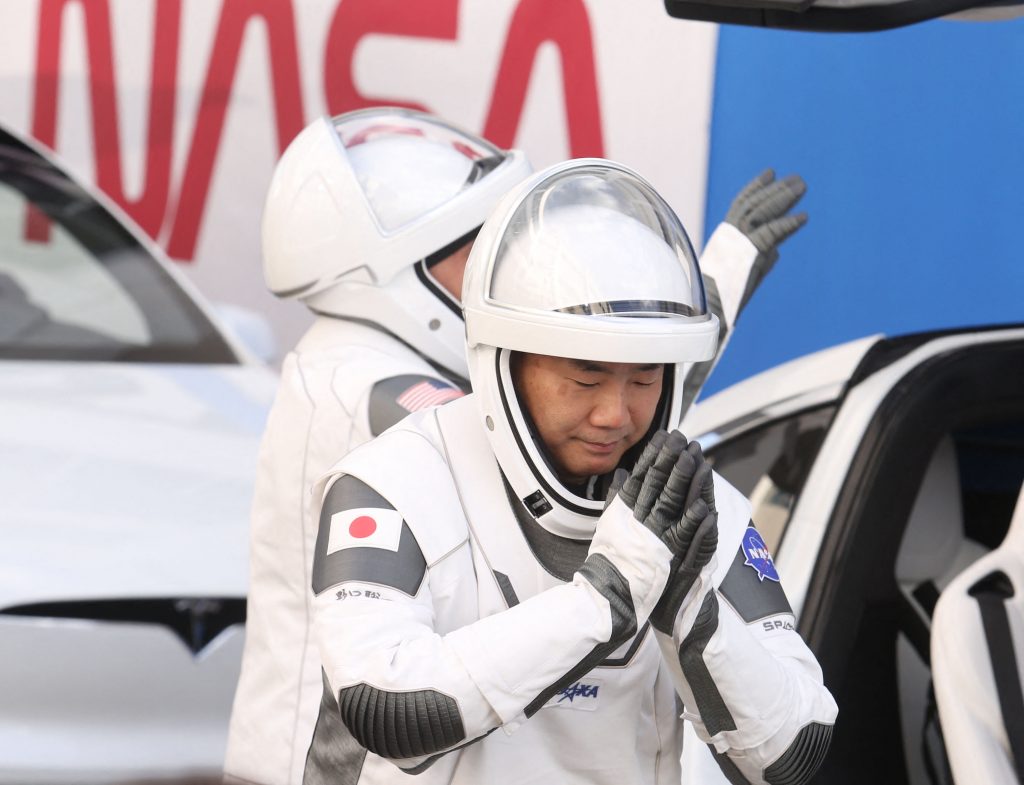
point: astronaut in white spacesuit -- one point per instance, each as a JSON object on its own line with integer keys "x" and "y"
{"x": 516, "y": 586}
{"x": 368, "y": 220}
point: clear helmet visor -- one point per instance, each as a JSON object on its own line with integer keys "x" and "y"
{"x": 600, "y": 242}
{"x": 409, "y": 164}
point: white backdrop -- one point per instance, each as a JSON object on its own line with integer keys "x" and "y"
{"x": 179, "y": 108}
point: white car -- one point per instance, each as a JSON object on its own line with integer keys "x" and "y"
{"x": 878, "y": 471}
{"x": 129, "y": 428}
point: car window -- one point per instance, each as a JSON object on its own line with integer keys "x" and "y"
{"x": 75, "y": 284}
{"x": 769, "y": 464}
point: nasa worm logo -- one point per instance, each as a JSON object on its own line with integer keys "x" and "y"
{"x": 756, "y": 555}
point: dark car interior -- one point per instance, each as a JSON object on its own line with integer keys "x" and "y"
{"x": 931, "y": 489}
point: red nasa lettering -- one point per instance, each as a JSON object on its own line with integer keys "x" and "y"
{"x": 177, "y": 209}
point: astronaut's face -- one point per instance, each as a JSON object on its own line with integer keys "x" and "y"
{"x": 587, "y": 413}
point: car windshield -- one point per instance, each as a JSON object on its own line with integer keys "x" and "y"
{"x": 75, "y": 284}
{"x": 770, "y": 464}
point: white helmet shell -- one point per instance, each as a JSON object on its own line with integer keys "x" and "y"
{"x": 584, "y": 260}
{"x": 356, "y": 201}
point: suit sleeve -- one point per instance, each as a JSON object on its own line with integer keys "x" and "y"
{"x": 728, "y": 264}
{"x": 749, "y": 684}
{"x": 411, "y": 691}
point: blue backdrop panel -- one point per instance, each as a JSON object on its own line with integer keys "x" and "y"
{"x": 912, "y": 145}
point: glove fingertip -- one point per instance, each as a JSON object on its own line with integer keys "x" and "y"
{"x": 676, "y": 440}
{"x": 619, "y": 478}
{"x": 685, "y": 463}
{"x": 796, "y": 183}
{"x": 654, "y": 445}
{"x": 650, "y": 452}
{"x": 630, "y": 489}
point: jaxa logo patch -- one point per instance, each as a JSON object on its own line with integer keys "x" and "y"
{"x": 756, "y": 555}
{"x": 580, "y": 695}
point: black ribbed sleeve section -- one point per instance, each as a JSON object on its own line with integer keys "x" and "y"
{"x": 401, "y": 724}
{"x": 798, "y": 764}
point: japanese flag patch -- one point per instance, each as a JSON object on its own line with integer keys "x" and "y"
{"x": 365, "y": 527}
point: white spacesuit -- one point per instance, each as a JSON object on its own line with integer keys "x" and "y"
{"x": 360, "y": 209}
{"x": 482, "y": 618}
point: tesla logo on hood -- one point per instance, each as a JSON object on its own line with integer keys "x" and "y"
{"x": 204, "y": 619}
{"x": 756, "y": 555}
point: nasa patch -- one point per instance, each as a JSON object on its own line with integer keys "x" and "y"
{"x": 756, "y": 555}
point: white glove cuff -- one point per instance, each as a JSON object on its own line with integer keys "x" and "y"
{"x": 729, "y": 257}
{"x": 636, "y": 552}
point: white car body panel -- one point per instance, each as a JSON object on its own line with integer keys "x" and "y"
{"x": 125, "y": 702}
{"x": 126, "y": 490}
{"x": 127, "y": 480}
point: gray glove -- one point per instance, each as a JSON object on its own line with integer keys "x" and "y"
{"x": 760, "y": 211}
{"x": 646, "y": 484}
{"x": 625, "y": 564}
{"x": 623, "y": 558}
{"x": 694, "y": 540}
{"x": 670, "y": 491}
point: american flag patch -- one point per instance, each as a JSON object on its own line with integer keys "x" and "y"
{"x": 427, "y": 393}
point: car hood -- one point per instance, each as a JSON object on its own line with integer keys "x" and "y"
{"x": 127, "y": 481}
